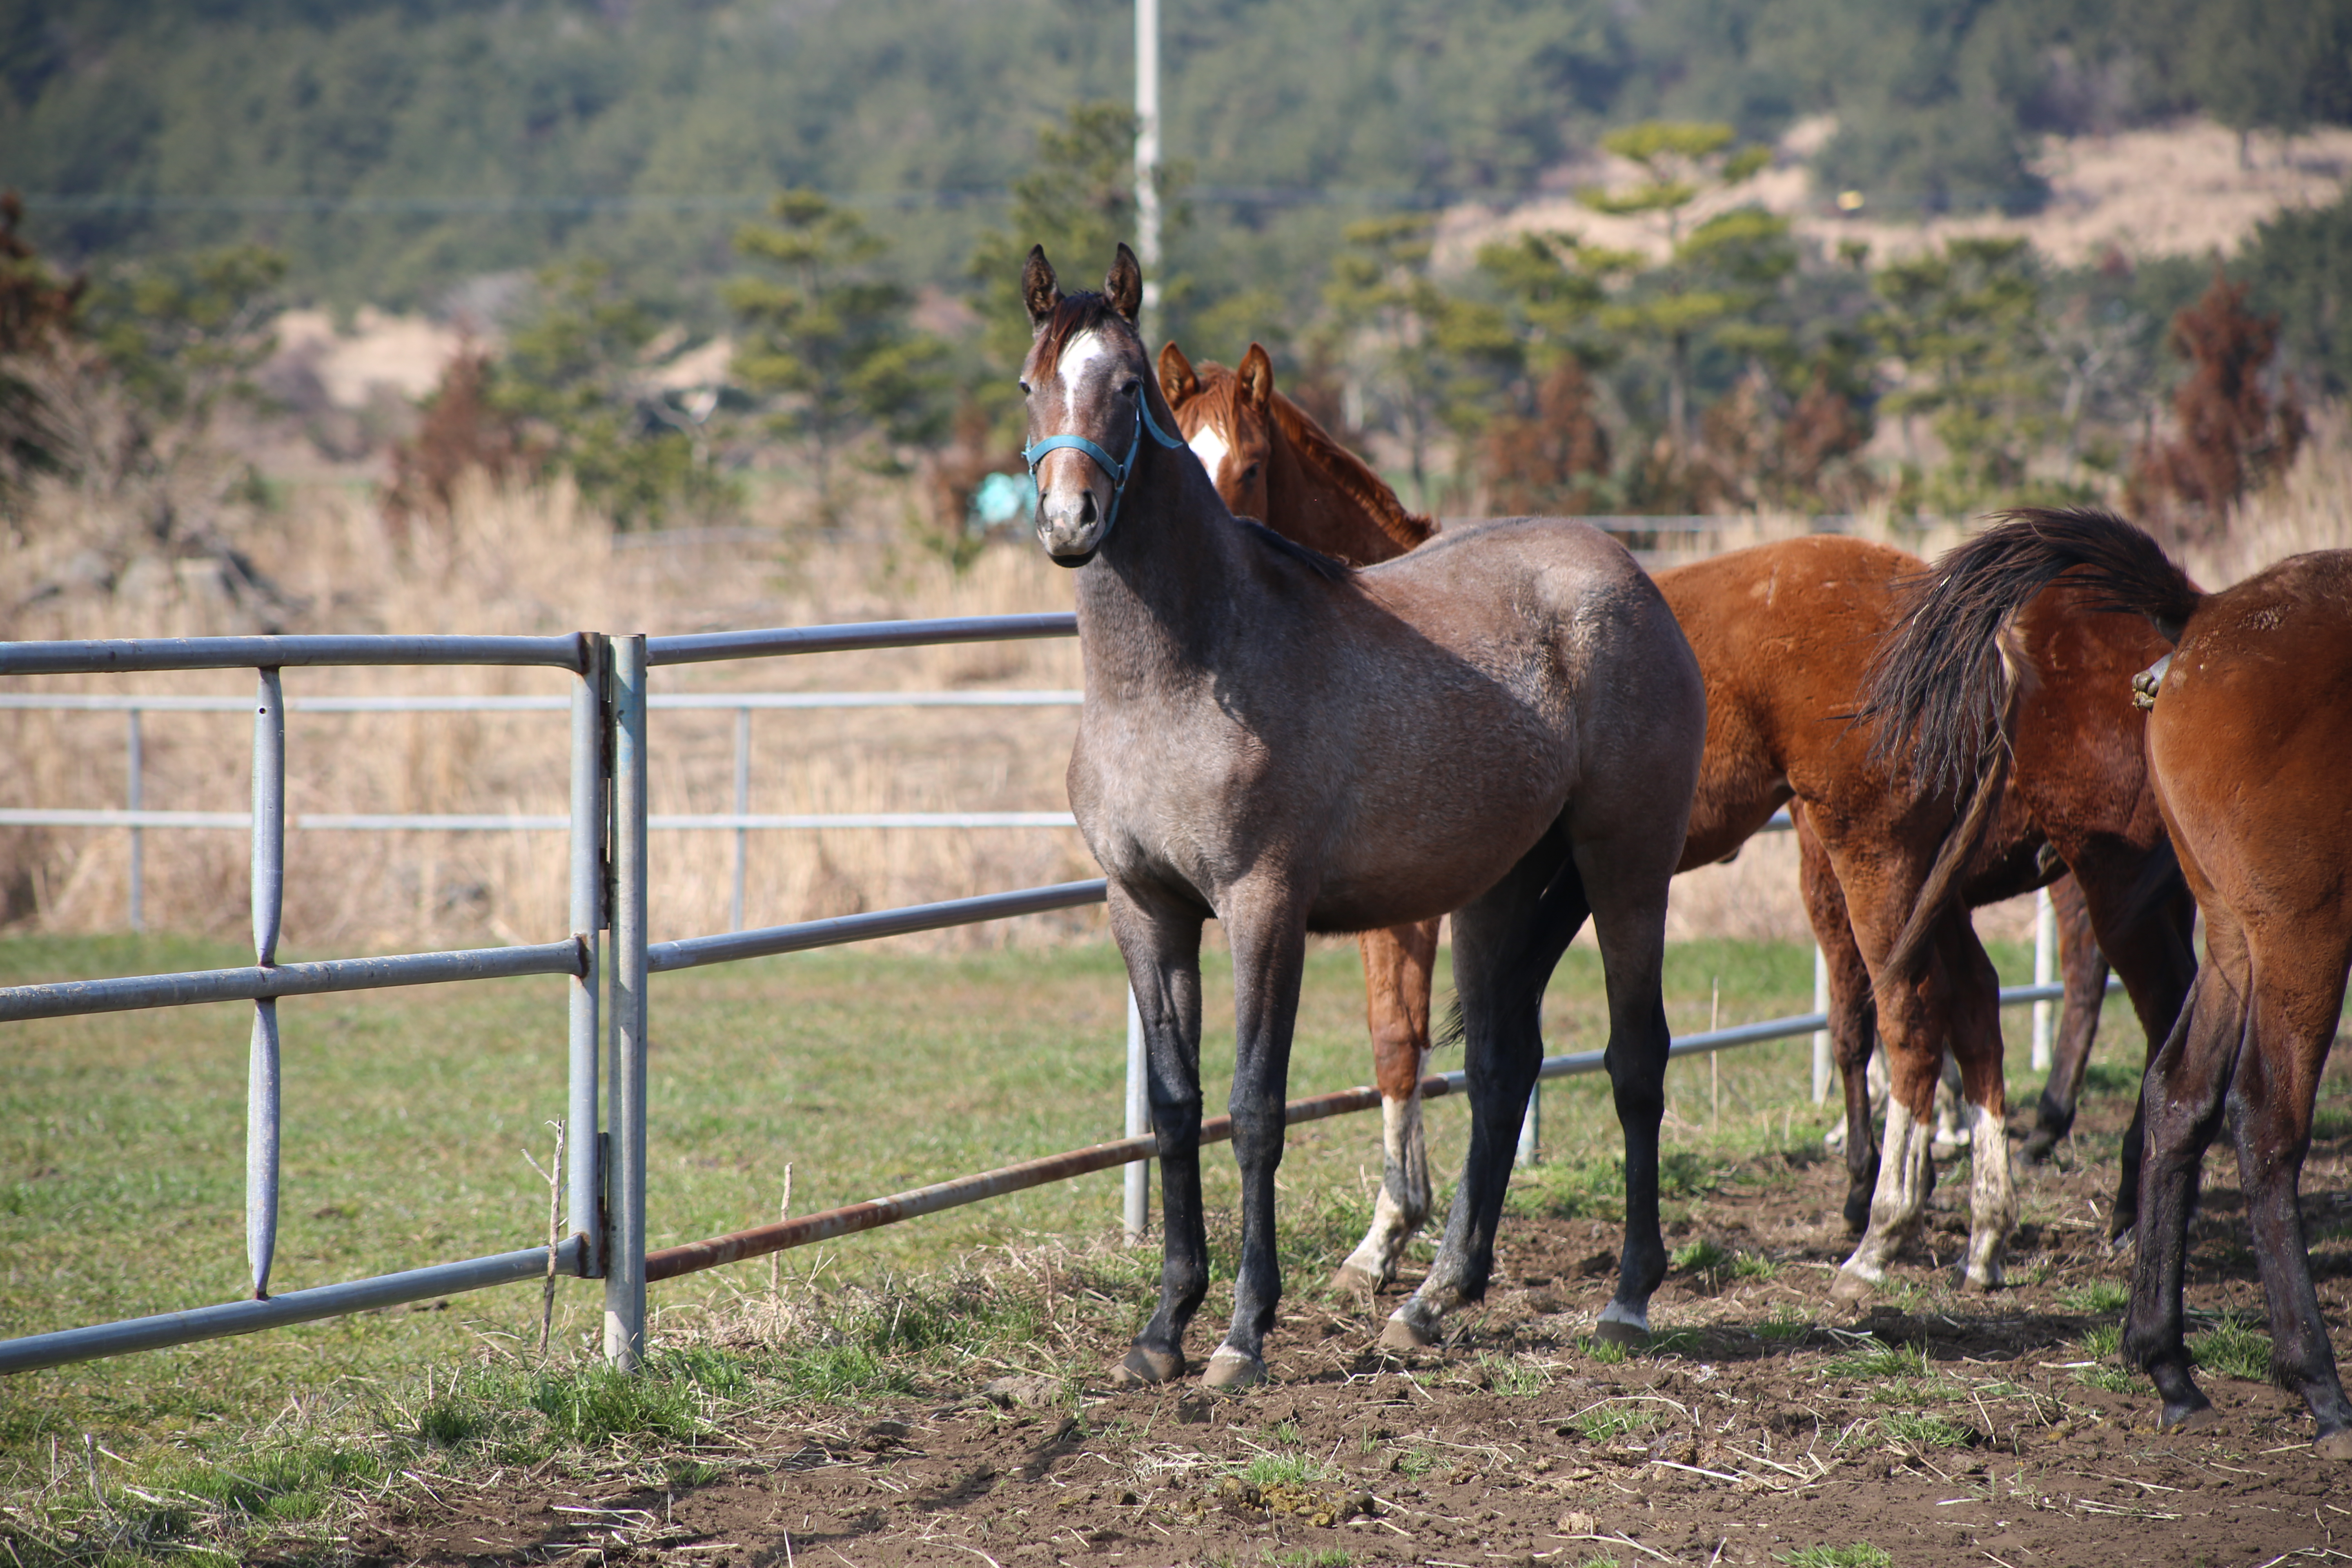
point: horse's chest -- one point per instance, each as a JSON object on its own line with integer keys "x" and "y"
{"x": 1191, "y": 800}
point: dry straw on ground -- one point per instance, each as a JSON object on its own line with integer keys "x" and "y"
{"x": 537, "y": 562}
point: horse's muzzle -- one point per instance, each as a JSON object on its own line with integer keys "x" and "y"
{"x": 1070, "y": 524}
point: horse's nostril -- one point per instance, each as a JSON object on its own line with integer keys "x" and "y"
{"x": 1085, "y": 508}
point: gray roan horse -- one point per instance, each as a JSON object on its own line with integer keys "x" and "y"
{"x": 1505, "y": 723}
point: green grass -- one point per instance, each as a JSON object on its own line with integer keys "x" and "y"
{"x": 1512, "y": 1376}
{"x": 1307, "y": 1557}
{"x": 1606, "y": 1423}
{"x": 1860, "y": 1554}
{"x": 2100, "y": 1297}
{"x": 1879, "y": 1362}
{"x": 2113, "y": 1379}
{"x": 2233, "y": 1348}
{"x": 2102, "y": 1342}
{"x": 1920, "y": 1432}
{"x": 409, "y": 1113}
{"x": 1787, "y": 1323}
{"x": 1287, "y": 1469}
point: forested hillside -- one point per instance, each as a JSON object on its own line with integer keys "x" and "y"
{"x": 390, "y": 149}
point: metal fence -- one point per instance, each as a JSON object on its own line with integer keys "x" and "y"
{"x": 607, "y": 957}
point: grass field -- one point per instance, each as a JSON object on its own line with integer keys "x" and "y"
{"x": 408, "y": 1114}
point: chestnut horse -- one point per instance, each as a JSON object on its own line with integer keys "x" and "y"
{"x": 1504, "y": 724}
{"x": 1781, "y": 633}
{"x": 2249, "y": 745}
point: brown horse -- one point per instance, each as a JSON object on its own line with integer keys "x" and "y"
{"x": 1505, "y": 724}
{"x": 1781, "y": 633}
{"x": 2249, "y": 745}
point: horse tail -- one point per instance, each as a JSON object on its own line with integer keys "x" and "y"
{"x": 1941, "y": 681}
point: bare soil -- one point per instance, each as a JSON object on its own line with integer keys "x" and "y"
{"x": 1759, "y": 1427}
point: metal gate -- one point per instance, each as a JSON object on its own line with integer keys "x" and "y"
{"x": 609, "y": 961}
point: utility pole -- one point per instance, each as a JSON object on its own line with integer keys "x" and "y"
{"x": 1147, "y": 161}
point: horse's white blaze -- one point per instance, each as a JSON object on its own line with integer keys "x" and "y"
{"x": 1077, "y": 354}
{"x": 1210, "y": 448}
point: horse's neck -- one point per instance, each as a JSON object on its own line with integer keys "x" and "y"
{"x": 1313, "y": 506}
{"x": 1172, "y": 581}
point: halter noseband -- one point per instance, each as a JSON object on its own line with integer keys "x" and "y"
{"x": 1119, "y": 471}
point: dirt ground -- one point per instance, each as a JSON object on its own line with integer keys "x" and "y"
{"x": 1932, "y": 1426}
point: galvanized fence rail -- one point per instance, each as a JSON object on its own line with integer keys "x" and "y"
{"x": 610, "y": 824}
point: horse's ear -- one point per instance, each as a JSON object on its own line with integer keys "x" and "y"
{"x": 1038, "y": 289}
{"x": 1256, "y": 378}
{"x": 1124, "y": 285}
{"x": 1177, "y": 380}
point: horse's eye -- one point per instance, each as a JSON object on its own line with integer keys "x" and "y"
{"x": 1130, "y": 389}
{"x": 1025, "y": 389}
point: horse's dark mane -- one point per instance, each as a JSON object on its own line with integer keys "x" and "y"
{"x": 1352, "y": 475}
{"x": 1075, "y": 314}
{"x": 1315, "y": 561}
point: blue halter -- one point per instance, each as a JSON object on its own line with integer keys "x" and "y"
{"x": 1119, "y": 471}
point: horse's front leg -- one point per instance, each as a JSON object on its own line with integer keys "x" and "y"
{"x": 1398, "y": 966}
{"x": 1267, "y": 929}
{"x": 1161, "y": 945}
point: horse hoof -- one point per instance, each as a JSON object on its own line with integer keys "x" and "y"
{"x": 1400, "y": 1334}
{"x": 1231, "y": 1371}
{"x": 1148, "y": 1368}
{"x": 1983, "y": 1284}
{"x": 1627, "y": 1326}
{"x": 2037, "y": 1149}
{"x": 1851, "y": 1289}
{"x": 2198, "y": 1418}
{"x": 2335, "y": 1444}
{"x": 1350, "y": 1280}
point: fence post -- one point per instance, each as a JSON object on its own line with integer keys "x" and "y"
{"x": 625, "y": 1250}
{"x": 135, "y": 799}
{"x": 261, "y": 1095}
{"x": 2045, "y": 959}
{"x": 1136, "y": 1212}
{"x": 591, "y": 827}
{"x": 1821, "y": 1063}
{"x": 1531, "y": 1128}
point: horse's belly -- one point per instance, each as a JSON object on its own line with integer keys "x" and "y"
{"x": 1387, "y": 869}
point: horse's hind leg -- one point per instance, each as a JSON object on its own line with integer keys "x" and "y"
{"x": 1505, "y": 943}
{"x": 1629, "y": 918}
{"x": 2083, "y": 969}
{"x": 1854, "y": 1016}
{"x": 1398, "y": 967}
{"x": 2148, "y": 937}
{"x": 1163, "y": 949}
{"x": 1955, "y": 1004}
{"x": 2299, "y": 996}
{"x": 1977, "y": 1049}
{"x": 2181, "y": 1099}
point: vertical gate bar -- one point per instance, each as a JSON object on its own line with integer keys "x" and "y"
{"x": 1531, "y": 1128}
{"x": 624, "y": 1256}
{"x": 2046, "y": 960}
{"x": 261, "y": 1101}
{"x": 1821, "y": 1063}
{"x": 1136, "y": 1212}
{"x": 742, "y": 809}
{"x": 134, "y": 795}
{"x": 583, "y": 1188}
